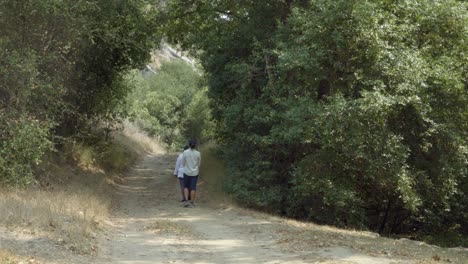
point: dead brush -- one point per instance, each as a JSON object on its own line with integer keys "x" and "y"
{"x": 212, "y": 174}
{"x": 132, "y": 138}
{"x": 7, "y": 257}
{"x": 72, "y": 217}
{"x": 73, "y": 199}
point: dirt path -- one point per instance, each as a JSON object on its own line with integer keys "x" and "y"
{"x": 151, "y": 226}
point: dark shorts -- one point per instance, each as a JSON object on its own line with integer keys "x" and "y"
{"x": 190, "y": 182}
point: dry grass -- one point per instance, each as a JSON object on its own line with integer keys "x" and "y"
{"x": 168, "y": 227}
{"x": 127, "y": 145}
{"x": 298, "y": 236}
{"x": 138, "y": 141}
{"x": 212, "y": 175}
{"x": 72, "y": 201}
{"x": 71, "y": 218}
{"x": 6, "y": 257}
{"x": 301, "y": 236}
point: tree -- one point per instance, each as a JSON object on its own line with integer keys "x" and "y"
{"x": 172, "y": 104}
{"x": 345, "y": 112}
{"x": 61, "y": 69}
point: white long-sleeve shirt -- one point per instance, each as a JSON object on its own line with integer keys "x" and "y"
{"x": 179, "y": 168}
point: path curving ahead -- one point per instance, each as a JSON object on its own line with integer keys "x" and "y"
{"x": 151, "y": 226}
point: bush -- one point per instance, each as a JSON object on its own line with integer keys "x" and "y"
{"x": 172, "y": 104}
{"x": 61, "y": 73}
{"x": 198, "y": 122}
{"x": 117, "y": 158}
{"x": 344, "y": 112}
{"x": 111, "y": 155}
{"x": 23, "y": 142}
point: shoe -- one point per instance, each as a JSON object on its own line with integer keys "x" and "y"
{"x": 191, "y": 205}
{"x": 186, "y": 204}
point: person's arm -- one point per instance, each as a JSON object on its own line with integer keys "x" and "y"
{"x": 199, "y": 161}
{"x": 177, "y": 166}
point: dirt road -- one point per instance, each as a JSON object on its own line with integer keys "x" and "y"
{"x": 151, "y": 226}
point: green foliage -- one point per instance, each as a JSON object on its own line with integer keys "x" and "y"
{"x": 172, "y": 104}
{"x": 61, "y": 71}
{"x": 117, "y": 158}
{"x": 197, "y": 122}
{"x": 23, "y": 142}
{"x": 345, "y": 112}
{"x": 109, "y": 155}
{"x": 164, "y": 115}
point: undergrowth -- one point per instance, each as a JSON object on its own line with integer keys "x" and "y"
{"x": 71, "y": 199}
{"x": 212, "y": 174}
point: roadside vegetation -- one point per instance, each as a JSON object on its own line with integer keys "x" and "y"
{"x": 7, "y": 257}
{"x": 71, "y": 199}
{"x": 62, "y": 75}
{"x": 351, "y": 113}
{"x": 62, "y": 97}
{"x": 339, "y": 112}
{"x": 213, "y": 176}
{"x": 171, "y": 104}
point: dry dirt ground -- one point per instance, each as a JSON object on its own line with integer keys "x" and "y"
{"x": 149, "y": 225}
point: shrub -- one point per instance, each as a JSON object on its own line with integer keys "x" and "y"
{"x": 23, "y": 142}
{"x": 172, "y": 104}
{"x": 349, "y": 112}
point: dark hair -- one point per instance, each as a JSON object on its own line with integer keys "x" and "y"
{"x": 192, "y": 143}
{"x": 185, "y": 147}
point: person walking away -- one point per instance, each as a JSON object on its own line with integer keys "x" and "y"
{"x": 179, "y": 173}
{"x": 191, "y": 160}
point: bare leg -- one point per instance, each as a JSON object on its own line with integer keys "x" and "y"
{"x": 186, "y": 192}
{"x": 181, "y": 181}
{"x": 192, "y": 196}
